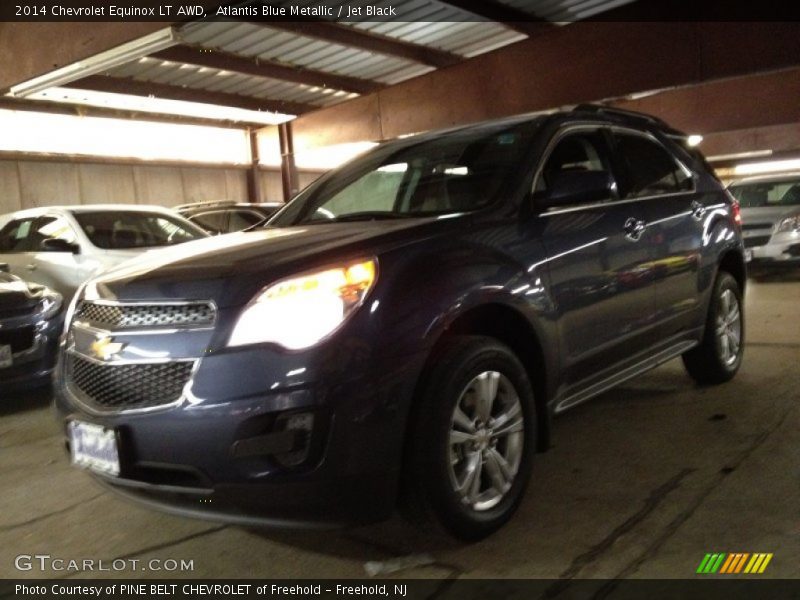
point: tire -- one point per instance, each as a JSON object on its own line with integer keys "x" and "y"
{"x": 719, "y": 356}
{"x": 467, "y": 369}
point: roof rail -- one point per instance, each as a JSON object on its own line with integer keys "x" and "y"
{"x": 620, "y": 112}
{"x": 205, "y": 203}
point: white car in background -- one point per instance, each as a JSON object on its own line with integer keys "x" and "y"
{"x": 770, "y": 208}
{"x": 63, "y": 246}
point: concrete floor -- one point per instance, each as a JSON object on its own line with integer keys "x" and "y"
{"x": 640, "y": 482}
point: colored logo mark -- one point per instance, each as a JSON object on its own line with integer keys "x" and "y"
{"x": 734, "y": 563}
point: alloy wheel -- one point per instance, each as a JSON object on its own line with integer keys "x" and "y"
{"x": 729, "y": 327}
{"x": 486, "y": 440}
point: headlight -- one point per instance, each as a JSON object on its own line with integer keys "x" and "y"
{"x": 299, "y": 312}
{"x": 788, "y": 224}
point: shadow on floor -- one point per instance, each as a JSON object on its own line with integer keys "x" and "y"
{"x": 24, "y": 400}
{"x": 379, "y": 542}
{"x": 774, "y": 275}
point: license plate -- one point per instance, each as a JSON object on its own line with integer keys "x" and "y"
{"x": 94, "y": 447}
{"x": 6, "y": 358}
{"x": 748, "y": 255}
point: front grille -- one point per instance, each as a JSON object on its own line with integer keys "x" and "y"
{"x": 129, "y": 386}
{"x": 756, "y": 240}
{"x": 130, "y": 316}
{"x": 20, "y": 339}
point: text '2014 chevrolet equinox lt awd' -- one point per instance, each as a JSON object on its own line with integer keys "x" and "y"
{"x": 406, "y": 327}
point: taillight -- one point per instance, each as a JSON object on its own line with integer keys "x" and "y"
{"x": 737, "y": 212}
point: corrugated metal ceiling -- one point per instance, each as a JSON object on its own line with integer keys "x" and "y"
{"x": 428, "y": 23}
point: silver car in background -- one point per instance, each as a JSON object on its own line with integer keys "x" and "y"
{"x": 770, "y": 208}
{"x": 61, "y": 247}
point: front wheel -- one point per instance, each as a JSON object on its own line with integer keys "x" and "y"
{"x": 472, "y": 439}
{"x": 719, "y": 355}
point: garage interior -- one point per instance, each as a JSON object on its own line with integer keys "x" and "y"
{"x": 640, "y": 482}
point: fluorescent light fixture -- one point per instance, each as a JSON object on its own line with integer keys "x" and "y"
{"x": 133, "y": 50}
{"x": 739, "y": 155}
{"x": 694, "y": 139}
{"x": 25, "y": 131}
{"x": 159, "y": 106}
{"x": 767, "y": 167}
{"x": 394, "y": 168}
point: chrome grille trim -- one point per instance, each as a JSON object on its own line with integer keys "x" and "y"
{"x": 115, "y": 316}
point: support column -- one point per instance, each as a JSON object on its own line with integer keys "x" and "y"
{"x": 288, "y": 168}
{"x": 254, "y": 172}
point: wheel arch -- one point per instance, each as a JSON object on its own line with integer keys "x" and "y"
{"x": 509, "y": 326}
{"x": 732, "y": 261}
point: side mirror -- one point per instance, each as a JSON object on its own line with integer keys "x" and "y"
{"x": 58, "y": 245}
{"x": 576, "y": 187}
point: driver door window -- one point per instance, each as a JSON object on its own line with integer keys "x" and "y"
{"x": 584, "y": 151}
{"x": 51, "y": 228}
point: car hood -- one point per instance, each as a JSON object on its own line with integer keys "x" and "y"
{"x": 230, "y": 269}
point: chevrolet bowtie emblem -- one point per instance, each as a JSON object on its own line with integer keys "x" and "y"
{"x": 105, "y": 348}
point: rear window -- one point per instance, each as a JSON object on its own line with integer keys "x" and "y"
{"x": 122, "y": 230}
{"x": 785, "y": 192}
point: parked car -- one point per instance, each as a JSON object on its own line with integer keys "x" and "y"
{"x": 61, "y": 247}
{"x": 31, "y": 321}
{"x": 408, "y": 328}
{"x": 770, "y": 218}
{"x": 228, "y": 217}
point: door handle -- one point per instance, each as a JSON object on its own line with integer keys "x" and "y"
{"x": 634, "y": 228}
{"x": 698, "y": 210}
{"x": 31, "y": 267}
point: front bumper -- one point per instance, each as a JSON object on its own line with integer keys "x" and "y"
{"x": 782, "y": 249}
{"x": 223, "y": 454}
{"x": 33, "y": 365}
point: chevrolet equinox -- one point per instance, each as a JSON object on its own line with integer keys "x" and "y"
{"x": 402, "y": 331}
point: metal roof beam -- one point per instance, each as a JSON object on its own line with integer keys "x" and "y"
{"x": 120, "y": 85}
{"x": 511, "y": 17}
{"x": 371, "y": 42}
{"x": 266, "y": 68}
{"x": 63, "y": 108}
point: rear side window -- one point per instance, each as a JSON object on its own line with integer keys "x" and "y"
{"x": 215, "y": 222}
{"x": 122, "y": 230}
{"x": 650, "y": 169}
{"x": 242, "y": 219}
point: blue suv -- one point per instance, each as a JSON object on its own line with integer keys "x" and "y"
{"x": 403, "y": 331}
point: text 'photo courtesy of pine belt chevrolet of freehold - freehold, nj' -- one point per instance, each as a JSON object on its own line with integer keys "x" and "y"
{"x": 400, "y": 299}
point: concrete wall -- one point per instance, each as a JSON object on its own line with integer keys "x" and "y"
{"x": 33, "y": 183}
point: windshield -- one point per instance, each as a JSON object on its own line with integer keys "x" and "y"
{"x": 455, "y": 172}
{"x": 785, "y": 192}
{"x": 123, "y": 230}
